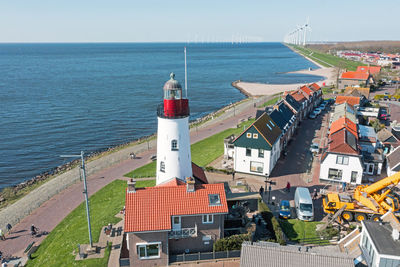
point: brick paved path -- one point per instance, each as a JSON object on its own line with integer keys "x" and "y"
{"x": 53, "y": 211}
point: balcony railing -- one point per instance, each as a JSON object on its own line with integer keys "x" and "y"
{"x": 183, "y": 233}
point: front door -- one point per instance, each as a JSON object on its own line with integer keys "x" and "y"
{"x": 176, "y": 222}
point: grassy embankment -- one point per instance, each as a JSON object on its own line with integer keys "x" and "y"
{"x": 203, "y": 152}
{"x": 270, "y": 102}
{"x": 57, "y": 248}
{"x": 328, "y": 60}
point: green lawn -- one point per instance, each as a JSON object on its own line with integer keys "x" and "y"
{"x": 296, "y": 230}
{"x": 203, "y": 152}
{"x": 269, "y": 102}
{"x": 57, "y": 248}
{"x": 327, "y": 59}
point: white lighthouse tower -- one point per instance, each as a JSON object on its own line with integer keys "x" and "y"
{"x": 173, "y": 139}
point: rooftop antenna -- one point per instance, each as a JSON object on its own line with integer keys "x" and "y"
{"x": 185, "y": 73}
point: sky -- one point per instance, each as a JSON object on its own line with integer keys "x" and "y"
{"x": 191, "y": 20}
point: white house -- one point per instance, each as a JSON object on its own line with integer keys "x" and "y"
{"x": 342, "y": 161}
{"x": 380, "y": 243}
{"x": 257, "y": 149}
{"x": 393, "y": 162}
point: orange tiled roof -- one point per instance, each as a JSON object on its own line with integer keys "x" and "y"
{"x": 341, "y": 123}
{"x": 306, "y": 90}
{"x": 371, "y": 69}
{"x": 151, "y": 208}
{"x": 355, "y": 75}
{"x": 315, "y": 87}
{"x": 351, "y": 100}
{"x": 298, "y": 96}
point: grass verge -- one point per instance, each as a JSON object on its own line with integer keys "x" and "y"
{"x": 203, "y": 152}
{"x": 269, "y": 102}
{"x": 57, "y": 248}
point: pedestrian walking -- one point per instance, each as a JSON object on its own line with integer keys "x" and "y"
{"x": 8, "y": 228}
{"x": 261, "y": 191}
{"x": 233, "y": 175}
{"x": 315, "y": 194}
{"x": 288, "y": 187}
{"x": 2, "y": 237}
{"x": 344, "y": 186}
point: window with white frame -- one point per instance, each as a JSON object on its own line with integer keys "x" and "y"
{"x": 260, "y": 153}
{"x": 343, "y": 160}
{"x": 255, "y": 135}
{"x": 174, "y": 144}
{"x": 148, "y": 250}
{"x": 335, "y": 174}
{"x": 214, "y": 199}
{"x": 208, "y": 218}
{"x": 248, "y": 135}
{"x": 248, "y": 152}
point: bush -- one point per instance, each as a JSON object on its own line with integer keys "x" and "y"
{"x": 272, "y": 223}
{"x": 329, "y": 232}
{"x": 233, "y": 242}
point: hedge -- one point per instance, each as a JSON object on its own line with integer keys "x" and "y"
{"x": 272, "y": 223}
{"x": 233, "y": 242}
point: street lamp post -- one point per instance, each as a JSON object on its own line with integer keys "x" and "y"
{"x": 269, "y": 183}
{"x": 85, "y": 192}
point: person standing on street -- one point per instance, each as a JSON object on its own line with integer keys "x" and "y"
{"x": 8, "y": 228}
{"x": 288, "y": 186}
{"x": 261, "y": 191}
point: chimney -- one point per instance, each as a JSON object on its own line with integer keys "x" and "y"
{"x": 189, "y": 184}
{"x": 131, "y": 186}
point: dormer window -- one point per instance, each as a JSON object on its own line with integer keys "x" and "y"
{"x": 214, "y": 199}
{"x": 174, "y": 144}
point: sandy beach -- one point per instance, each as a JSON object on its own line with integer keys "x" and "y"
{"x": 258, "y": 89}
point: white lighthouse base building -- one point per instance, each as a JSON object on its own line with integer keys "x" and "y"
{"x": 173, "y": 149}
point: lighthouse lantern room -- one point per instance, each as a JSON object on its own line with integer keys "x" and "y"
{"x": 173, "y": 139}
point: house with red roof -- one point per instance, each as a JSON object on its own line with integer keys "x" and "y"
{"x": 354, "y": 101}
{"x": 299, "y": 97}
{"x": 172, "y": 218}
{"x": 373, "y": 70}
{"x": 341, "y": 123}
{"x": 309, "y": 95}
{"x": 317, "y": 93}
{"x": 351, "y": 78}
{"x": 342, "y": 161}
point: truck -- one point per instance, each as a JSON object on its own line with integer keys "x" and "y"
{"x": 365, "y": 202}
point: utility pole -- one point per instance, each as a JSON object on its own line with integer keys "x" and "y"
{"x": 85, "y": 192}
{"x": 269, "y": 183}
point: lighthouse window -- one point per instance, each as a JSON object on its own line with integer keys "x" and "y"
{"x": 162, "y": 166}
{"x": 172, "y": 94}
{"x": 174, "y": 145}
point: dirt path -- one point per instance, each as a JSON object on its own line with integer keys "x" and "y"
{"x": 53, "y": 211}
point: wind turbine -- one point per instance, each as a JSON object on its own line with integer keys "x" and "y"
{"x": 306, "y": 27}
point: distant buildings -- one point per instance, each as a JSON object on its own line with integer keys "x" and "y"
{"x": 380, "y": 59}
{"x": 352, "y": 78}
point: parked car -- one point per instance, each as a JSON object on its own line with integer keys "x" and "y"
{"x": 317, "y": 111}
{"x": 314, "y": 148}
{"x": 284, "y": 209}
{"x": 304, "y": 205}
{"x": 312, "y": 115}
{"x": 322, "y": 106}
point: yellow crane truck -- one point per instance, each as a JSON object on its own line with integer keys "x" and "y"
{"x": 368, "y": 202}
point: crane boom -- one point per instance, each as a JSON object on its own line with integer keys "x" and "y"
{"x": 385, "y": 182}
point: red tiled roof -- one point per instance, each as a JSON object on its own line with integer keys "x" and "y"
{"x": 371, "y": 69}
{"x": 355, "y": 75}
{"x": 341, "y": 123}
{"x": 151, "y": 208}
{"x": 344, "y": 142}
{"x": 351, "y": 100}
{"x": 306, "y": 90}
{"x": 315, "y": 87}
{"x": 298, "y": 96}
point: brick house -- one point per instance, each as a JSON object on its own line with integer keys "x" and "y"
{"x": 285, "y": 119}
{"x": 257, "y": 149}
{"x": 302, "y": 100}
{"x": 172, "y": 218}
{"x": 351, "y": 78}
{"x": 317, "y": 93}
{"x": 294, "y": 106}
{"x": 309, "y": 95}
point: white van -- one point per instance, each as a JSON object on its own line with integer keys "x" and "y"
{"x": 304, "y": 205}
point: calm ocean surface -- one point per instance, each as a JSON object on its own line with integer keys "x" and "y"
{"x": 63, "y": 98}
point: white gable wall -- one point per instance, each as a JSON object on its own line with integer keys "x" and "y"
{"x": 353, "y": 165}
